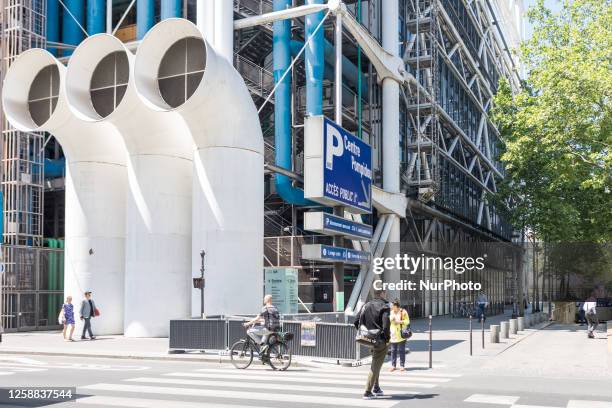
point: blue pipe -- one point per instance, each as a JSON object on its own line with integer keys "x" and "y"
{"x": 71, "y": 32}
{"x": 144, "y": 17}
{"x": 315, "y": 62}
{"x": 349, "y": 70}
{"x": 53, "y": 24}
{"x": 281, "y": 53}
{"x": 96, "y": 16}
{"x": 170, "y": 8}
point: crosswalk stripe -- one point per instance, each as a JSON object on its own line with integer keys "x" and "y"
{"x": 258, "y": 386}
{"x": 361, "y": 370}
{"x": 492, "y": 399}
{"x": 108, "y": 401}
{"x": 298, "y": 379}
{"x": 363, "y": 375}
{"x": 245, "y": 395}
{"x": 589, "y": 404}
{"x": 531, "y": 406}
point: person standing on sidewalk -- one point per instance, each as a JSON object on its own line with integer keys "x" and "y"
{"x": 590, "y": 313}
{"x": 67, "y": 315}
{"x": 88, "y": 312}
{"x": 374, "y": 315}
{"x": 399, "y": 321}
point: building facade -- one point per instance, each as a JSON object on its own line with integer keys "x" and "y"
{"x": 457, "y": 51}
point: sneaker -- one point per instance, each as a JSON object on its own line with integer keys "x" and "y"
{"x": 83, "y": 338}
{"x": 367, "y": 395}
{"x": 92, "y": 338}
{"x": 378, "y": 392}
{"x": 591, "y": 336}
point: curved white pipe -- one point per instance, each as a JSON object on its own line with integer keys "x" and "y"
{"x": 95, "y": 192}
{"x": 160, "y": 168}
{"x": 228, "y": 184}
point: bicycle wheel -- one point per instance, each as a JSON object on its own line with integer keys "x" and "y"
{"x": 279, "y": 356}
{"x": 241, "y": 354}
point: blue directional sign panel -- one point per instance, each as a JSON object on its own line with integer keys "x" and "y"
{"x": 338, "y": 166}
{"x": 328, "y": 253}
{"x": 330, "y": 224}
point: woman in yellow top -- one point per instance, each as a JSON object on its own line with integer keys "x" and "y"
{"x": 399, "y": 320}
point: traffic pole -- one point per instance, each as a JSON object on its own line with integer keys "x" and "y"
{"x": 471, "y": 347}
{"x": 483, "y": 334}
{"x": 430, "y": 343}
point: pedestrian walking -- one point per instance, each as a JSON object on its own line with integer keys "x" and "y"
{"x": 590, "y": 313}
{"x": 373, "y": 321}
{"x": 66, "y": 318}
{"x": 88, "y": 312}
{"x": 482, "y": 302}
{"x": 399, "y": 320}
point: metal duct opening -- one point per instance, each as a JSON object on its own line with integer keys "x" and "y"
{"x": 109, "y": 83}
{"x": 181, "y": 70}
{"x": 43, "y": 94}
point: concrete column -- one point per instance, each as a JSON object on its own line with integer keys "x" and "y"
{"x": 224, "y": 29}
{"x": 513, "y": 326}
{"x": 391, "y": 154}
{"x": 504, "y": 330}
{"x": 494, "y": 333}
{"x": 521, "y": 323}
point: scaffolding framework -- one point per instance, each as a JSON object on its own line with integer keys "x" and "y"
{"x": 23, "y": 27}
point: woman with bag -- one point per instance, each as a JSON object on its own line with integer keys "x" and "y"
{"x": 66, "y": 317}
{"x": 400, "y": 332}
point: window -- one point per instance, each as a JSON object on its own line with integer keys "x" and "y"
{"x": 181, "y": 70}
{"x": 109, "y": 83}
{"x": 43, "y": 94}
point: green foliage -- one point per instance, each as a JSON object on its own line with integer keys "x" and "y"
{"x": 557, "y": 130}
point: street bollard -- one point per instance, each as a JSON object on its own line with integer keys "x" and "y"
{"x": 471, "y": 349}
{"x": 430, "y": 344}
{"x": 521, "y": 324}
{"x": 482, "y": 327}
{"x": 504, "y": 329}
{"x": 513, "y": 326}
{"x": 494, "y": 333}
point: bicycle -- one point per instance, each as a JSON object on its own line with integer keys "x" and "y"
{"x": 277, "y": 353}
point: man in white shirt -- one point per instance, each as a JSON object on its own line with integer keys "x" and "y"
{"x": 590, "y": 312}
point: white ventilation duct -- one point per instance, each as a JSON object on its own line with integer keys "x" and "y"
{"x": 34, "y": 100}
{"x": 177, "y": 70}
{"x": 100, "y": 87}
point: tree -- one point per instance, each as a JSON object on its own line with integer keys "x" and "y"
{"x": 557, "y": 130}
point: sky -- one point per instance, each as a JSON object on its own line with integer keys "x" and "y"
{"x": 554, "y": 5}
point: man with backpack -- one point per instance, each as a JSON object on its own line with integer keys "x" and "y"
{"x": 270, "y": 317}
{"x": 373, "y": 318}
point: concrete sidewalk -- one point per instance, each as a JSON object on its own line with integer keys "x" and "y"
{"x": 451, "y": 341}
{"x": 450, "y": 345}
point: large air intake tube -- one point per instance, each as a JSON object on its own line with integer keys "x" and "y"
{"x": 178, "y": 70}
{"x": 34, "y": 100}
{"x": 100, "y": 87}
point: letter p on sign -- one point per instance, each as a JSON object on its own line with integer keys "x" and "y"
{"x": 334, "y": 146}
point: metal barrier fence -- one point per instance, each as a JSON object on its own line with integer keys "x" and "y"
{"x": 330, "y": 340}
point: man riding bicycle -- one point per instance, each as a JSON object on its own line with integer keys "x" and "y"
{"x": 270, "y": 317}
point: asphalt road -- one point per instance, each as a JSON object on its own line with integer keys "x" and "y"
{"x": 514, "y": 379}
